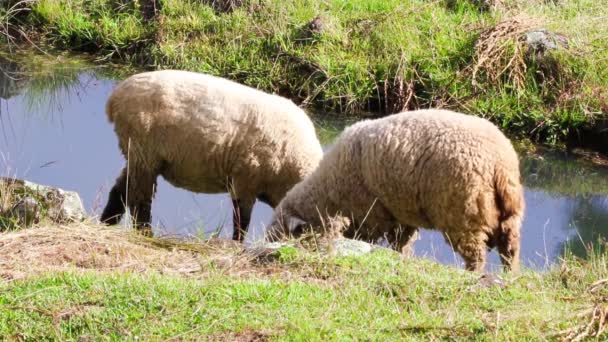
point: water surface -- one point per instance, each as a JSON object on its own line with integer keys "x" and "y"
{"x": 54, "y": 131}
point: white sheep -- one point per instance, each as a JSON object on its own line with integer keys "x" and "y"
{"x": 386, "y": 178}
{"x": 206, "y": 134}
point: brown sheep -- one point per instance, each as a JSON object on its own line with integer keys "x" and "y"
{"x": 429, "y": 168}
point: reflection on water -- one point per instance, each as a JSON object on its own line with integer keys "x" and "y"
{"x": 59, "y": 135}
{"x": 11, "y": 79}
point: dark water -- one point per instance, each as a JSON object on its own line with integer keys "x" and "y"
{"x": 54, "y": 131}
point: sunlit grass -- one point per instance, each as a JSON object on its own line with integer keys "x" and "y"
{"x": 124, "y": 286}
{"x": 378, "y": 56}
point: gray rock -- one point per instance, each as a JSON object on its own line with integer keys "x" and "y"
{"x": 267, "y": 251}
{"x": 489, "y": 280}
{"x": 347, "y": 247}
{"x": 335, "y": 247}
{"x": 25, "y": 203}
{"x": 316, "y": 25}
{"x": 541, "y": 40}
{"x": 26, "y": 211}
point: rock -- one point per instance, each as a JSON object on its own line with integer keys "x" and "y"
{"x": 540, "y": 41}
{"x": 267, "y": 251}
{"x": 348, "y": 247}
{"x": 334, "y": 247}
{"x": 26, "y": 211}
{"x": 24, "y": 203}
{"x": 312, "y": 30}
{"x": 316, "y": 25}
{"x": 489, "y": 280}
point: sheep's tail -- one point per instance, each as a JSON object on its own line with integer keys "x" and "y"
{"x": 510, "y": 203}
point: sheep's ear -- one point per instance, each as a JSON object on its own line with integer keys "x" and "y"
{"x": 293, "y": 223}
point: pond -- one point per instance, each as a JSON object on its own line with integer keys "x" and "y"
{"x": 54, "y": 131}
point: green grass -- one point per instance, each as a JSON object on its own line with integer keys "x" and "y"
{"x": 299, "y": 296}
{"x": 373, "y": 56}
{"x": 91, "y": 282}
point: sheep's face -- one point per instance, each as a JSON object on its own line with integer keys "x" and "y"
{"x": 285, "y": 226}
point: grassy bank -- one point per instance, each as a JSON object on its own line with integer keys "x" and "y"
{"x": 358, "y": 56}
{"x": 88, "y": 282}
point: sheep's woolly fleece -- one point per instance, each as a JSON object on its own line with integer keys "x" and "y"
{"x": 200, "y": 130}
{"x": 427, "y": 168}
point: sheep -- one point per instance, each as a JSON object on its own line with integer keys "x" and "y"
{"x": 437, "y": 169}
{"x": 208, "y": 135}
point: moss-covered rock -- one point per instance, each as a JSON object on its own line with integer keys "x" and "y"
{"x": 23, "y": 203}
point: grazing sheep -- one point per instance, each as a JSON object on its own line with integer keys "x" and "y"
{"x": 206, "y": 134}
{"x": 428, "y": 168}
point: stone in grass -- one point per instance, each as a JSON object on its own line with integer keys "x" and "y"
{"x": 335, "y": 247}
{"x": 316, "y": 26}
{"x": 313, "y": 28}
{"x": 541, "y": 40}
{"x": 23, "y": 203}
{"x": 349, "y": 247}
{"x": 269, "y": 251}
{"x": 489, "y": 280}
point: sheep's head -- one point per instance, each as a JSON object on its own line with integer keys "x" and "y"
{"x": 284, "y": 226}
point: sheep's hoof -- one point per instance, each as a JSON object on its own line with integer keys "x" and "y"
{"x": 145, "y": 231}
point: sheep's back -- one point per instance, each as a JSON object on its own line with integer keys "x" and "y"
{"x": 204, "y": 128}
{"x": 435, "y": 168}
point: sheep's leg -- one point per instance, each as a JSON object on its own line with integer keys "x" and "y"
{"x": 141, "y": 190}
{"x": 402, "y": 239}
{"x": 472, "y": 248}
{"x": 115, "y": 207}
{"x": 241, "y": 216}
{"x": 508, "y": 249}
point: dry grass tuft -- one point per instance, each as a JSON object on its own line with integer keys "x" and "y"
{"x": 500, "y": 52}
{"x": 399, "y": 93}
{"x": 596, "y": 323}
{"x": 85, "y": 246}
{"x": 595, "y": 318}
{"x": 32, "y": 251}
